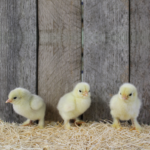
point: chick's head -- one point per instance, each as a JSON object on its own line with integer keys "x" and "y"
{"x": 17, "y": 95}
{"x": 82, "y": 90}
{"x": 128, "y": 92}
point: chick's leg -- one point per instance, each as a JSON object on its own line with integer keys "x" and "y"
{"x": 27, "y": 122}
{"x": 136, "y": 124}
{"x": 41, "y": 123}
{"x": 116, "y": 123}
{"x": 67, "y": 124}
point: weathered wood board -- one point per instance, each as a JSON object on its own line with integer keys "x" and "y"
{"x": 17, "y": 51}
{"x": 106, "y": 52}
{"x": 140, "y": 53}
{"x": 59, "y": 56}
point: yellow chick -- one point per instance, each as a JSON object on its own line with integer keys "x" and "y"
{"x": 75, "y": 103}
{"x": 27, "y": 105}
{"x": 125, "y": 106}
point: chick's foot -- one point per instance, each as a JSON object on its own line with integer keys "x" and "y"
{"x": 41, "y": 127}
{"x": 138, "y": 128}
{"x": 116, "y": 125}
{"x": 27, "y": 122}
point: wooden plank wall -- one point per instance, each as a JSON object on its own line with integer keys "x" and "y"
{"x": 59, "y": 61}
{"x": 140, "y": 53}
{"x": 106, "y": 52}
{"x": 17, "y": 51}
{"x": 116, "y": 50}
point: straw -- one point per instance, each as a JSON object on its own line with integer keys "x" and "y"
{"x": 89, "y": 136}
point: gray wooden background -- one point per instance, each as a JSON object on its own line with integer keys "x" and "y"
{"x": 41, "y": 50}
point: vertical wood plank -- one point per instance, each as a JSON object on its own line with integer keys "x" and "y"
{"x": 140, "y": 53}
{"x": 17, "y": 51}
{"x": 59, "y": 50}
{"x": 106, "y": 52}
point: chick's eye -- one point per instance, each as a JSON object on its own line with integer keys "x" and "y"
{"x": 120, "y": 93}
{"x": 130, "y": 94}
{"x": 80, "y": 91}
{"x": 15, "y": 98}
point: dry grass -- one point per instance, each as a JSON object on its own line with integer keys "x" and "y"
{"x": 89, "y": 136}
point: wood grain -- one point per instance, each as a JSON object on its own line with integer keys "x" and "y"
{"x": 17, "y": 51}
{"x": 140, "y": 53}
{"x": 106, "y": 52}
{"x": 59, "y": 56}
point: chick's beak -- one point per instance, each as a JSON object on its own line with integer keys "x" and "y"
{"x": 124, "y": 97}
{"x": 8, "y": 101}
{"x": 85, "y": 93}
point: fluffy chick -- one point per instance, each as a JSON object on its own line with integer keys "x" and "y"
{"x": 125, "y": 105}
{"x": 28, "y": 105}
{"x": 75, "y": 103}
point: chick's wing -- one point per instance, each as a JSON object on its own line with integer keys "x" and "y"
{"x": 36, "y": 102}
